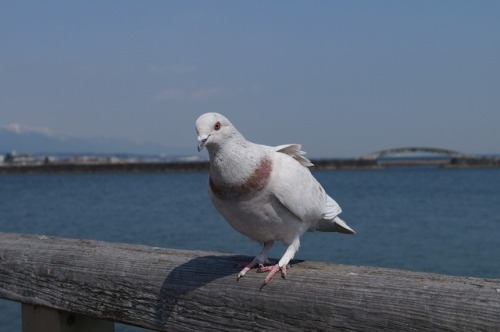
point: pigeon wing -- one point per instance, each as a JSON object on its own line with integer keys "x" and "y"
{"x": 298, "y": 191}
{"x": 294, "y": 186}
{"x": 294, "y": 151}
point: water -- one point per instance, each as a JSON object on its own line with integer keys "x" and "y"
{"x": 421, "y": 219}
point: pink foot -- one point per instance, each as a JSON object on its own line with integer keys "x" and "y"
{"x": 272, "y": 271}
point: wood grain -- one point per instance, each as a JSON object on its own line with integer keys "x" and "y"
{"x": 165, "y": 289}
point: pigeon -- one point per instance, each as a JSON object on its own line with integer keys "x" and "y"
{"x": 265, "y": 193}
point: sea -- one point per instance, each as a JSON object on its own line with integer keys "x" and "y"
{"x": 428, "y": 219}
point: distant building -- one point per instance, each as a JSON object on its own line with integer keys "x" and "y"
{"x": 18, "y": 159}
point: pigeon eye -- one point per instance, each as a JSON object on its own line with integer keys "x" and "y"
{"x": 217, "y": 125}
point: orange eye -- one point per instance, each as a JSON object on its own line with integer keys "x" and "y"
{"x": 217, "y": 125}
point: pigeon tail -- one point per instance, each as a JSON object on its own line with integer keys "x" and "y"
{"x": 342, "y": 226}
{"x": 331, "y": 221}
{"x": 335, "y": 225}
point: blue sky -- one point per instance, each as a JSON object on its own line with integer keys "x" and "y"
{"x": 343, "y": 78}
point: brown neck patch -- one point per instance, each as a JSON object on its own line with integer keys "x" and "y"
{"x": 253, "y": 184}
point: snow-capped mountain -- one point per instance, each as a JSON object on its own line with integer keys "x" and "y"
{"x": 23, "y": 129}
{"x": 39, "y": 140}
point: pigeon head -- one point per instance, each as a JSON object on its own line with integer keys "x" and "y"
{"x": 213, "y": 130}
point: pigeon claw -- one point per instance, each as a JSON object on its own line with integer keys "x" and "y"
{"x": 247, "y": 268}
{"x": 243, "y": 272}
{"x": 272, "y": 272}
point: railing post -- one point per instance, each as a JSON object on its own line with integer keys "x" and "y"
{"x": 42, "y": 319}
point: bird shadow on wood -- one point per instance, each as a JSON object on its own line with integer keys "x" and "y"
{"x": 191, "y": 276}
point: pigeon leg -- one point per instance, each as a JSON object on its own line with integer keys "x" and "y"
{"x": 259, "y": 260}
{"x": 282, "y": 264}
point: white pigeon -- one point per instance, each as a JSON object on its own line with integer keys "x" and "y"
{"x": 266, "y": 193}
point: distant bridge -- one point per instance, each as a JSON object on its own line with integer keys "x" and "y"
{"x": 382, "y": 153}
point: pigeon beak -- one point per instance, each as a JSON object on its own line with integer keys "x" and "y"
{"x": 201, "y": 142}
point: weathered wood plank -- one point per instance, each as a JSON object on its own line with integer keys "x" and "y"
{"x": 42, "y": 319}
{"x": 179, "y": 290}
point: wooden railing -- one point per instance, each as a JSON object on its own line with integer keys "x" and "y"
{"x": 64, "y": 283}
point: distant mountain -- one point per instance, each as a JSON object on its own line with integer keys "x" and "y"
{"x": 36, "y": 140}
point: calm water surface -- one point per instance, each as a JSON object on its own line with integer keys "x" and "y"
{"x": 421, "y": 219}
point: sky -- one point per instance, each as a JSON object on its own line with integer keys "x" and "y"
{"x": 342, "y": 78}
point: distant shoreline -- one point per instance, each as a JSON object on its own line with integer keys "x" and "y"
{"x": 202, "y": 166}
